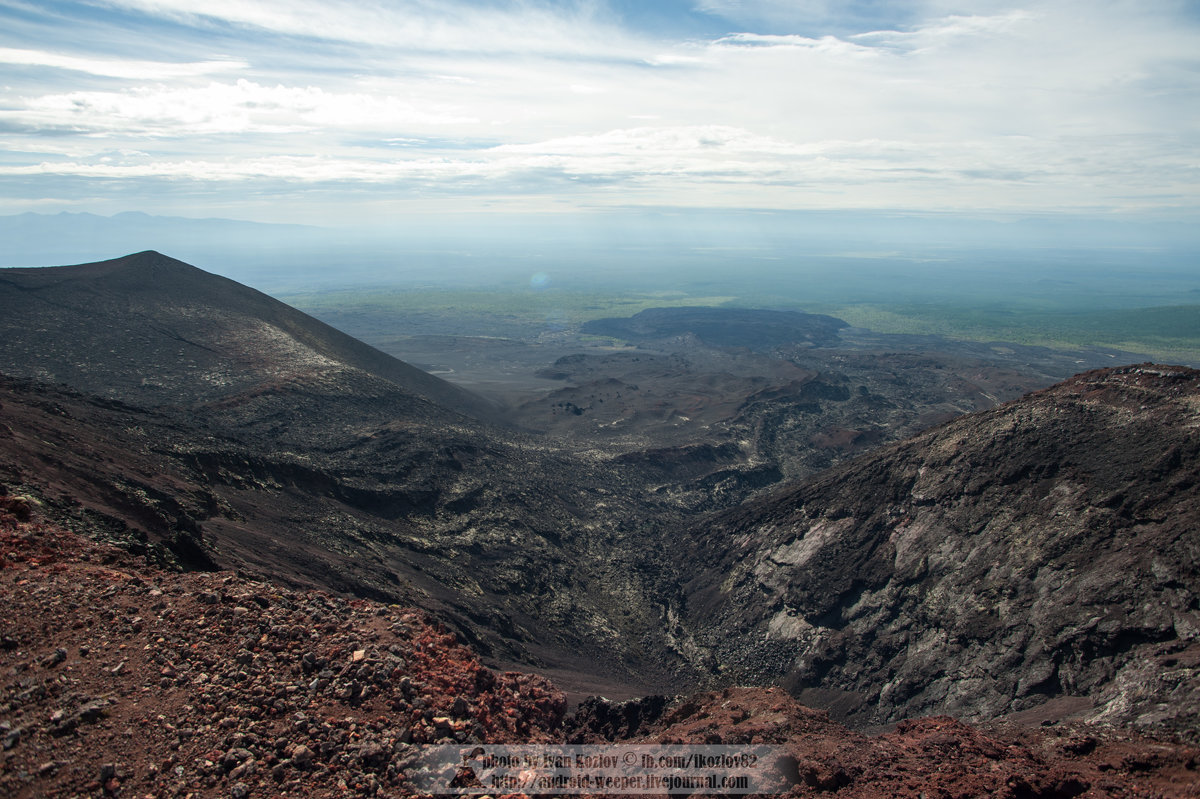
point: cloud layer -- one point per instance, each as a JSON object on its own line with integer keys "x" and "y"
{"x": 306, "y": 109}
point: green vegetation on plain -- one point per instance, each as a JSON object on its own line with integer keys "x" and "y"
{"x": 583, "y": 305}
{"x": 386, "y": 313}
{"x": 1169, "y": 332}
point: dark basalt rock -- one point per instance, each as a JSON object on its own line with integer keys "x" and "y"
{"x": 211, "y": 427}
{"x": 754, "y": 329}
{"x": 1046, "y": 549}
{"x": 598, "y": 720}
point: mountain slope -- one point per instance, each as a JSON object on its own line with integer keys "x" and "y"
{"x": 508, "y": 544}
{"x": 1045, "y": 551}
{"x": 201, "y": 420}
{"x": 114, "y": 324}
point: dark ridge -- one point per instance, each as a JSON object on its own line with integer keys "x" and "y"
{"x": 1045, "y": 549}
{"x": 137, "y": 319}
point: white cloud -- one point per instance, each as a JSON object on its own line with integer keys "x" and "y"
{"x": 117, "y": 68}
{"x": 295, "y": 169}
{"x": 829, "y": 45}
{"x": 240, "y": 107}
{"x": 847, "y": 17}
{"x": 568, "y": 29}
{"x": 710, "y": 165}
{"x": 965, "y": 105}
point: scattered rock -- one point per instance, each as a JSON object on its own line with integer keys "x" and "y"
{"x": 54, "y": 658}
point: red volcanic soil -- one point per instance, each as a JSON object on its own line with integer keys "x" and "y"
{"x": 934, "y": 756}
{"x": 117, "y": 679}
{"x": 120, "y": 679}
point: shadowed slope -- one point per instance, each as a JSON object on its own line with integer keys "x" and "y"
{"x": 1048, "y": 549}
{"x": 151, "y": 329}
{"x": 189, "y": 412}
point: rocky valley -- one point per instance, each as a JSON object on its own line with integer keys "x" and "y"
{"x": 122, "y": 679}
{"x": 1031, "y": 556}
{"x": 311, "y": 556}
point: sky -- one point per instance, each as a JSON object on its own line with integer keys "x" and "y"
{"x": 350, "y": 113}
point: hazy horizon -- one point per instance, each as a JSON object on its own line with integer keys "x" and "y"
{"x": 651, "y": 247}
